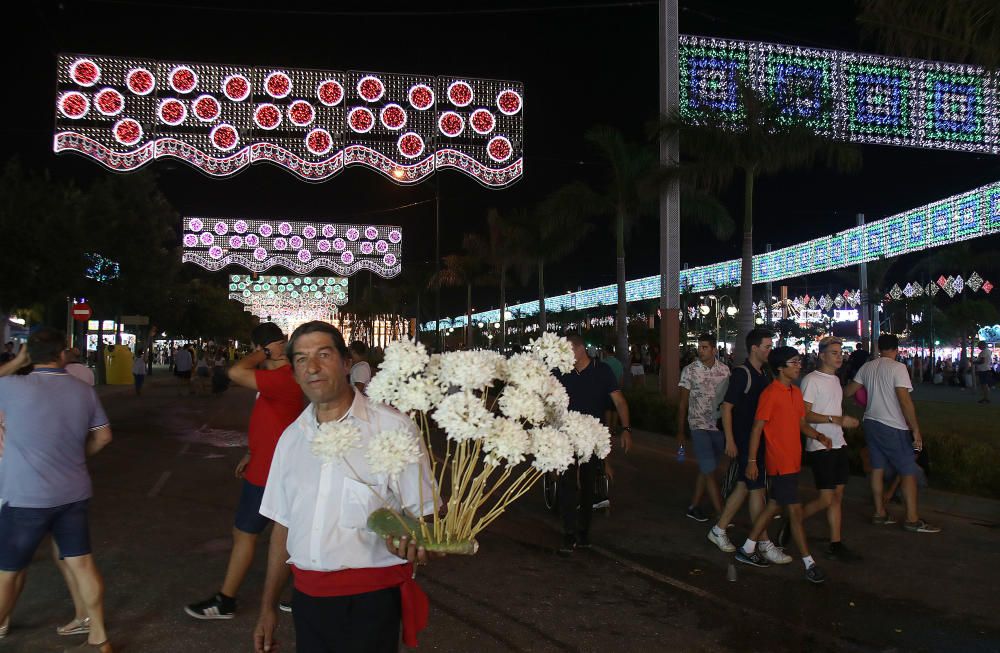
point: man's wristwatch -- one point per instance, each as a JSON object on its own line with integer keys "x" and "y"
{"x": 829, "y": 418}
{"x": 626, "y": 428}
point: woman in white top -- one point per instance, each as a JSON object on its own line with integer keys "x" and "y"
{"x": 361, "y": 371}
{"x": 139, "y": 371}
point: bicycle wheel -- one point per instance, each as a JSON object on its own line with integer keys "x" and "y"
{"x": 549, "y": 490}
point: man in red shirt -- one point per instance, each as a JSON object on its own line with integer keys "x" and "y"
{"x": 781, "y": 417}
{"x": 279, "y": 403}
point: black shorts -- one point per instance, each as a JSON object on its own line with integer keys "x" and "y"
{"x": 22, "y": 530}
{"x": 830, "y": 468}
{"x": 248, "y": 517}
{"x": 785, "y": 488}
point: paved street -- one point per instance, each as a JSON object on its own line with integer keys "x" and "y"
{"x": 163, "y": 508}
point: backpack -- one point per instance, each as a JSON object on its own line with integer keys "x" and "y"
{"x": 720, "y": 394}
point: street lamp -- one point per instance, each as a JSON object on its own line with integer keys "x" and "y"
{"x": 731, "y": 310}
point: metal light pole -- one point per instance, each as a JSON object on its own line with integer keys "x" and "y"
{"x": 670, "y": 253}
{"x": 863, "y": 284}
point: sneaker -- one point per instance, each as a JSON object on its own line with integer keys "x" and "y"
{"x": 568, "y": 545}
{"x": 837, "y": 551}
{"x": 773, "y": 554}
{"x": 217, "y": 607}
{"x": 284, "y": 606}
{"x": 815, "y": 575}
{"x": 696, "y": 514}
{"x": 755, "y": 558}
{"x": 582, "y": 541}
{"x": 883, "y": 520}
{"x": 784, "y": 534}
{"x": 920, "y": 526}
{"x": 721, "y": 540}
{"x": 602, "y": 504}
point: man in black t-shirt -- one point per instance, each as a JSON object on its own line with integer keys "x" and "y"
{"x": 588, "y": 384}
{"x": 738, "y": 410}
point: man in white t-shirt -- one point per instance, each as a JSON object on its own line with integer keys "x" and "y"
{"x": 824, "y": 398}
{"x": 361, "y": 371}
{"x": 891, "y": 430}
{"x": 984, "y": 372}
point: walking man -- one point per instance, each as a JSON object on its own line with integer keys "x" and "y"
{"x": 984, "y": 372}
{"x": 781, "y": 417}
{"x": 53, "y": 422}
{"x": 699, "y": 382}
{"x": 352, "y": 588}
{"x": 892, "y": 432}
{"x": 279, "y": 403}
{"x": 589, "y": 385}
{"x": 824, "y": 398}
{"x": 739, "y": 408}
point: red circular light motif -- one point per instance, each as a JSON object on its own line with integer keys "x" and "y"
{"x": 361, "y": 120}
{"x": 482, "y": 121}
{"x": 330, "y": 92}
{"x": 127, "y": 131}
{"x": 319, "y": 142}
{"x": 85, "y": 72}
{"x": 499, "y": 149}
{"x": 172, "y": 111}
{"x": 140, "y": 81}
{"x": 509, "y": 102}
{"x": 224, "y": 137}
{"x": 371, "y": 88}
{"x": 393, "y": 117}
{"x": 460, "y": 94}
{"x": 236, "y": 87}
{"x": 278, "y": 85}
{"x": 410, "y": 145}
{"x": 301, "y": 113}
{"x": 183, "y": 79}
{"x": 421, "y": 97}
{"x": 207, "y": 108}
{"x": 267, "y": 116}
{"x": 451, "y": 124}
{"x": 74, "y": 105}
{"x": 109, "y": 102}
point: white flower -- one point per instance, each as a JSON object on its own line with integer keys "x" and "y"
{"x": 463, "y": 416}
{"x": 407, "y": 394}
{"x": 588, "y": 435}
{"x": 526, "y": 371}
{"x": 522, "y": 403}
{"x": 556, "y": 399}
{"x": 334, "y": 439}
{"x": 551, "y": 450}
{"x": 554, "y": 351}
{"x": 506, "y": 441}
{"x": 469, "y": 370}
{"x": 404, "y": 358}
{"x": 390, "y": 452}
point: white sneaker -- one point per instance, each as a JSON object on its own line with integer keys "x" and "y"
{"x": 773, "y": 553}
{"x": 722, "y": 541}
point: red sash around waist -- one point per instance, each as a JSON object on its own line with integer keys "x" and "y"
{"x": 348, "y": 582}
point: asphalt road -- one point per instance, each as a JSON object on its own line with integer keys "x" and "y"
{"x": 163, "y": 508}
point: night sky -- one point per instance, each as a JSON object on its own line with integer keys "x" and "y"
{"x": 581, "y": 66}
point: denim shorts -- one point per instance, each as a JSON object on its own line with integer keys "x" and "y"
{"x": 248, "y": 517}
{"x": 708, "y": 449}
{"x": 22, "y": 529}
{"x": 890, "y": 447}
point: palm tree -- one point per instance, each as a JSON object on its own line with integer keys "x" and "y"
{"x": 465, "y": 269}
{"x": 500, "y": 252}
{"x": 764, "y": 140}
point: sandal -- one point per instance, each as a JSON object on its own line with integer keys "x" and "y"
{"x": 87, "y": 647}
{"x": 883, "y": 520}
{"x": 5, "y": 629}
{"x": 75, "y": 627}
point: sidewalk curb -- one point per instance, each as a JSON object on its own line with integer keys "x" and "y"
{"x": 959, "y": 505}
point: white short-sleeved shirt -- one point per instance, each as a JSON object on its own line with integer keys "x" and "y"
{"x": 701, "y": 382}
{"x": 983, "y": 362}
{"x": 881, "y": 377}
{"x": 82, "y": 372}
{"x": 361, "y": 373}
{"x": 823, "y": 391}
{"x": 325, "y": 506}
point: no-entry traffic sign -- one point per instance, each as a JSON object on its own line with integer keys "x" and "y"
{"x": 81, "y": 312}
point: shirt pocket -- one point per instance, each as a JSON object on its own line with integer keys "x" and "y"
{"x": 357, "y": 501}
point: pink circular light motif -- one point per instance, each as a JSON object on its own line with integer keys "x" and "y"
{"x": 367, "y": 248}
{"x": 301, "y": 113}
{"x": 127, "y": 131}
{"x": 410, "y": 145}
{"x": 260, "y": 253}
{"x": 323, "y": 245}
{"x": 285, "y": 228}
{"x": 224, "y": 137}
{"x": 109, "y": 102}
{"x": 389, "y": 260}
{"x": 499, "y": 149}
{"x": 267, "y": 116}
{"x": 330, "y": 92}
{"x": 319, "y": 141}
{"x": 482, "y": 121}
{"x": 240, "y": 226}
{"x": 421, "y": 97}
{"x": 280, "y": 243}
{"x": 370, "y": 88}
{"x": 196, "y": 224}
{"x": 395, "y": 236}
{"x": 206, "y": 108}
{"x": 172, "y": 111}
{"x": 85, "y": 72}
{"x": 451, "y": 124}
{"x": 183, "y": 79}
{"x": 460, "y": 94}
{"x": 304, "y": 255}
{"x": 265, "y": 230}
{"x": 215, "y": 252}
{"x": 74, "y": 105}
{"x": 236, "y": 88}
{"x": 207, "y": 239}
{"x": 381, "y": 247}
{"x": 278, "y": 85}
{"x": 393, "y": 117}
{"x": 328, "y": 231}
{"x": 347, "y": 258}
{"x": 371, "y": 233}
{"x": 140, "y": 81}
{"x": 251, "y": 240}
{"x": 309, "y": 231}
{"x": 190, "y": 240}
{"x": 221, "y": 228}
{"x": 339, "y": 244}
{"x": 509, "y": 102}
{"x": 353, "y": 234}
{"x": 295, "y": 242}
{"x": 361, "y": 120}
{"x": 235, "y": 242}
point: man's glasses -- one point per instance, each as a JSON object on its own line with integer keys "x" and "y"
{"x": 795, "y": 361}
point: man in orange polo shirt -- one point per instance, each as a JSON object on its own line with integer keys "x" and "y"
{"x": 781, "y": 417}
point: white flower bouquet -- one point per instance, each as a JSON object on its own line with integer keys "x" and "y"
{"x": 506, "y": 423}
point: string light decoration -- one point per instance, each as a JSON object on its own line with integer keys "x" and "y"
{"x": 289, "y": 301}
{"x": 258, "y": 245}
{"x": 125, "y": 113}
{"x": 850, "y": 96}
{"x": 965, "y": 216}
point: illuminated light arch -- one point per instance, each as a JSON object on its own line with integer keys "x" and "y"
{"x": 299, "y": 102}
{"x": 965, "y": 216}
